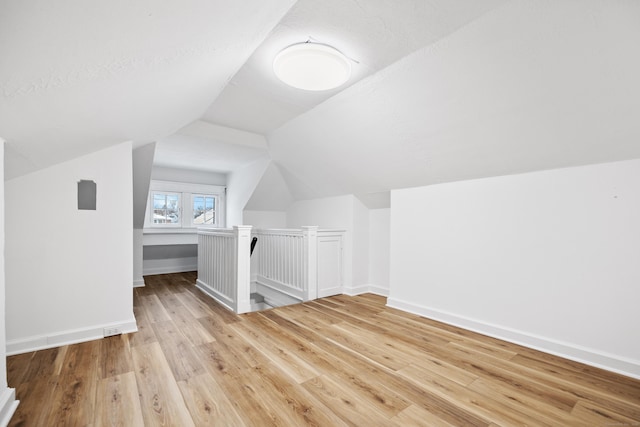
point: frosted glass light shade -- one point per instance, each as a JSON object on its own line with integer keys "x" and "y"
{"x": 312, "y": 66}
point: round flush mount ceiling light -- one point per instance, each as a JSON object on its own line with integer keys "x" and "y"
{"x": 312, "y": 66}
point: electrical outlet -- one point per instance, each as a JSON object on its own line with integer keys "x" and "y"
{"x": 109, "y": 332}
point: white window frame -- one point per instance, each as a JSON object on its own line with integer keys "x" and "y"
{"x": 187, "y": 191}
{"x": 151, "y": 211}
{"x": 216, "y": 200}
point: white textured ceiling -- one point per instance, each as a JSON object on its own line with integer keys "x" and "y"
{"x": 79, "y": 76}
{"x": 443, "y": 90}
{"x": 207, "y": 147}
{"x": 531, "y": 85}
{"x": 374, "y": 33}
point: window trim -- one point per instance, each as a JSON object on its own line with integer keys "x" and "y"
{"x": 216, "y": 201}
{"x": 186, "y": 192}
{"x": 151, "y": 210}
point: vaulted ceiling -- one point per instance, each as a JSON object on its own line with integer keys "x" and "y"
{"x": 80, "y": 76}
{"x": 531, "y": 85}
{"x": 442, "y": 90}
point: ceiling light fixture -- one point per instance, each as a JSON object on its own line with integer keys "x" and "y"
{"x": 312, "y": 66}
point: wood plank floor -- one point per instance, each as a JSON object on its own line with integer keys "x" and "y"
{"x": 338, "y": 361}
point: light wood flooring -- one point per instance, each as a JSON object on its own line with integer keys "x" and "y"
{"x": 332, "y": 362}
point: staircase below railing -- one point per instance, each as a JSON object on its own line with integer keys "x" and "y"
{"x": 279, "y": 268}
{"x": 284, "y": 265}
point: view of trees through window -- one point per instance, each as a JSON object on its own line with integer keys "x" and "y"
{"x": 166, "y": 208}
{"x": 204, "y": 209}
{"x": 183, "y": 207}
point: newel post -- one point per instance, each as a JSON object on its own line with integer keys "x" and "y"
{"x": 310, "y": 238}
{"x": 242, "y": 235}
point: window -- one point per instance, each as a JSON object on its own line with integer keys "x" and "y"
{"x": 186, "y": 206}
{"x": 204, "y": 209}
{"x": 166, "y": 208}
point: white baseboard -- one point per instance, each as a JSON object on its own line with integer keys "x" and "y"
{"x": 72, "y": 336}
{"x": 379, "y": 290}
{"x": 169, "y": 265}
{"x": 222, "y": 299}
{"x": 278, "y": 287}
{"x": 357, "y": 290}
{"x": 599, "y": 359}
{"x": 367, "y": 289}
{"x": 274, "y": 296}
{"x": 138, "y": 283}
{"x": 8, "y": 405}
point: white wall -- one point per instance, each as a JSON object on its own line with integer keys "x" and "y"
{"x": 241, "y": 184}
{"x": 189, "y": 176}
{"x": 170, "y": 258}
{"x": 7, "y": 395}
{"x": 169, "y": 265}
{"x": 379, "y": 250}
{"x": 330, "y": 212}
{"x": 68, "y": 271}
{"x": 349, "y": 213}
{"x": 265, "y": 219}
{"x": 549, "y": 259}
{"x": 360, "y": 228}
{"x": 138, "y": 263}
{"x": 271, "y": 193}
{"x": 142, "y": 164}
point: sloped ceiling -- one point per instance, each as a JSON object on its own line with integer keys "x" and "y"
{"x": 142, "y": 163}
{"x": 373, "y": 33}
{"x": 443, "y": 90}
{"x": 208, "y": 147}
{"x": 79, "y": 76}
{"x": 272, "y": 192}
{"x": 529, "y": 86}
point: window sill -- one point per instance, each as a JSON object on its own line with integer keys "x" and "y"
{"x": 169, "y": 230}
{"x": 169, "y": 236}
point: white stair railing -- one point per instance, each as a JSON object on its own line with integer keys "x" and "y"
{"x": 283, "y": 268}
{"x": 286, "y": 261}
{"x": 224, "y": 266}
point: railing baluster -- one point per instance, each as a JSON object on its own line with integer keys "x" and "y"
{"x": 283, "y": 259}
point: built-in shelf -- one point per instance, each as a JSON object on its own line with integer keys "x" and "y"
{"x": 178, "y": 236}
